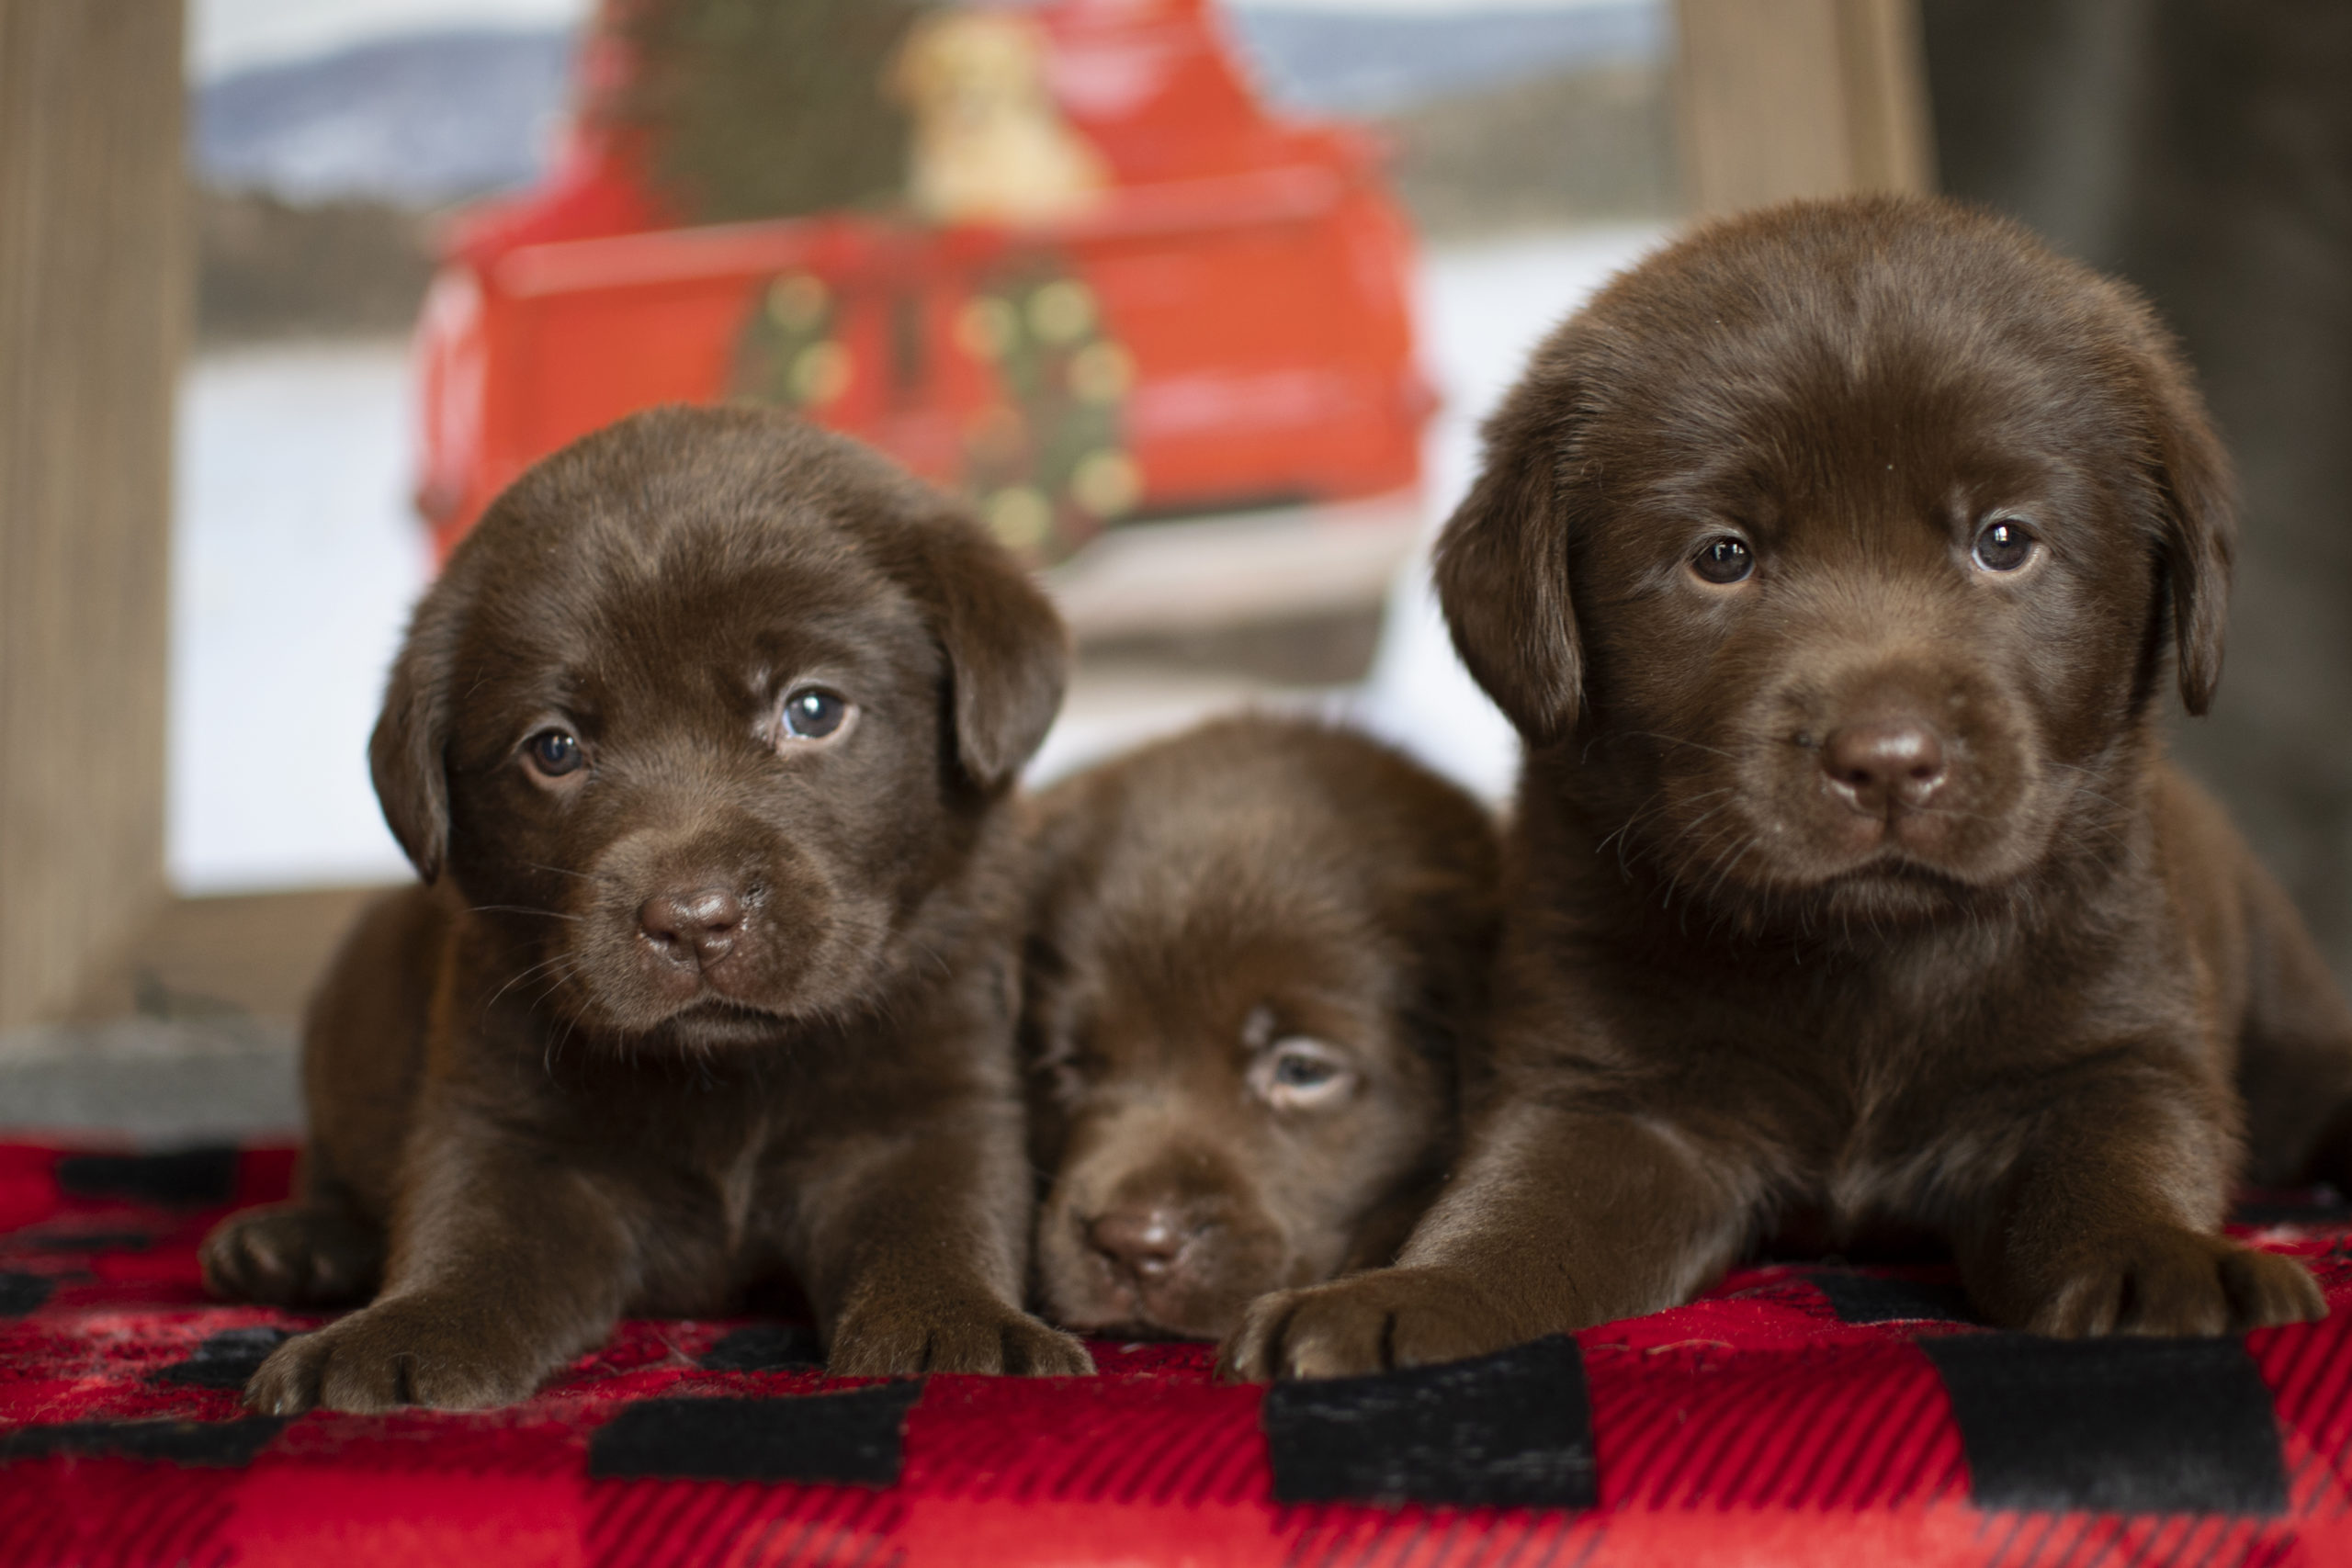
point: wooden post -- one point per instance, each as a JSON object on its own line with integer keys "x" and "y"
{"x": 93, "y": 285}
{"x": 1782, "y": 98}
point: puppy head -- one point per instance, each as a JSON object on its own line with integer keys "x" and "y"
{"x": 701, "y": 711}
{"x": 1844, "y": 542}
{"x": 1253, "y": 950}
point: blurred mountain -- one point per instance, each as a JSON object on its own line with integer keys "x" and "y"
{"x": 1364, "y": 62}
{"x": 431, "y": 117}
{"x": 416, "y": 120}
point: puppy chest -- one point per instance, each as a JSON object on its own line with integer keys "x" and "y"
{"x": 711, "y": 1212}
{"x": 735, "y": 1184}
{"x": 1824, "y": 1129}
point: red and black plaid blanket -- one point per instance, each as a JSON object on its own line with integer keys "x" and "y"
{"x": 1797, "y": 1415}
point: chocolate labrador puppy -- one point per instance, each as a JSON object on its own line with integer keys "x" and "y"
{"x": 702, "y": 744}
{"x": 1255, "y": 950}
{"x": 1830, "y": 564}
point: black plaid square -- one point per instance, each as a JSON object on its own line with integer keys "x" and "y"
{"x": 2117, "y": 1425}
{"x": 1508, "y": 1430}
{"x": 853, "y": 1437}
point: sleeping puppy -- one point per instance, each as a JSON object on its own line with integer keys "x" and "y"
{"x": 1255, "y": 950}
{"x": 1830, "y": 564}
{"x": 701, "y": 744}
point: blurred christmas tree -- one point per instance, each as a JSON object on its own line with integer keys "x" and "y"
{"x": 768, "y": 108}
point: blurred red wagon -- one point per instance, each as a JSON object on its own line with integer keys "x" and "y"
{"x": 1222, "y": 319}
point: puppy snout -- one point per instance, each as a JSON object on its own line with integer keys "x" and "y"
{"x": 694, "y": 926}
{"x": 1145, "y": 1240}
{"x": 1884, "y": 765}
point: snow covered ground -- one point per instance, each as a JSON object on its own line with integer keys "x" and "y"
{"x": 295, "y": 559}
{"x": 1483, "y": 308}
{"x": 297, "y": 556}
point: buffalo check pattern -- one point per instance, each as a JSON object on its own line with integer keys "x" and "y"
{"x": 1797, "y": 1415}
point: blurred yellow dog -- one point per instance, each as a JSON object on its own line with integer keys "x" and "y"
{"x": 989, "y": 143}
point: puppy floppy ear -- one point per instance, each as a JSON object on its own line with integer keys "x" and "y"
{"x": 2199, "y": 523}
{"x": 1008, "y": 654}
{"x": 1501, "y": 567}
{"x": 405, "y": 754}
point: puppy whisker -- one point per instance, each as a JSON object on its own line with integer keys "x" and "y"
{"x": 1676, "y": 741}
{"x": 543, "y": 966}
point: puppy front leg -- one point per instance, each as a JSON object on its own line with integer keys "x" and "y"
{"x": 912, "y": 1245}
{"x": 2103, "y": 1219}
{"x": 504, "y": 1264}
{"x": 1560, "y": 1219}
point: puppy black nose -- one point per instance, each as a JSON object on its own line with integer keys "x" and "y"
{"x": 694, "y": 927}
{"x": 1145, "y": 1239}
{"x": 1884, "y": 765}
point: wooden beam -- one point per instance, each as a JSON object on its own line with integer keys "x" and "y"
{"x": 93, "y": 285}
{"x": 1783, "y": 98}
{"x": 253, "y": 955}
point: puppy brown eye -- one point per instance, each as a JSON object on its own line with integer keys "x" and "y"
{"x": 1300, "y": 1074}
{"x": 1723, "y": 560}
{"x": 555, "y": 752}
{"x": 2004, "y": 546}
{"x": 813, "y": 713}
{"x": 1294, "y": 1071}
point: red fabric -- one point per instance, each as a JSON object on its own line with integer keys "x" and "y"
{"x": 1752, "y": 1426}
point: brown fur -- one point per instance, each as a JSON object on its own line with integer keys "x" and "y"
{"x": 1255, "y": 900}
{"x": 1741, "y": 984}
{"x": 568, "y": 1078}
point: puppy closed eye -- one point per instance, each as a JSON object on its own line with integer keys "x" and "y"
{"x": 1298, "y": 1074}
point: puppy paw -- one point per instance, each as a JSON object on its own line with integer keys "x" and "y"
{"x": 1368, "y": 1323}
{"x": 2173, "y": 1282}
{"x": 405, "y": 1351}
{"x": 291, "y": 1255}
{"x": 901, "y": 1339}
